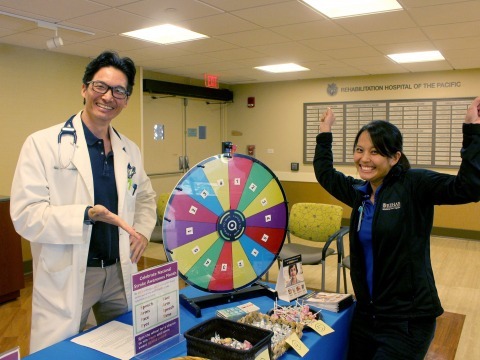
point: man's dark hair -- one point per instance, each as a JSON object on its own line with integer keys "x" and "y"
{"x": 111, "y": 58}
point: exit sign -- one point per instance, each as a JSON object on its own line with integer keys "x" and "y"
{"x": 211, "y": 81}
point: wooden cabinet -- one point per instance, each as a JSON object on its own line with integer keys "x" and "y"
{"x": 11, "y": 264}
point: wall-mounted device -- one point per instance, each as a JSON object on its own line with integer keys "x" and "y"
{"x": 251, "y": 102}
{"x": 251, "y": 150}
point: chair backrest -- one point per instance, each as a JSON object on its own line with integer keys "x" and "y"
{"x": 162, "y": 204}
{"x": 314, "y": 221}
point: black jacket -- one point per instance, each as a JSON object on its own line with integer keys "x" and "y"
{"x": 403, "y": 281}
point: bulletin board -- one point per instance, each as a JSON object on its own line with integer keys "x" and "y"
{"x": 431, "y": 128}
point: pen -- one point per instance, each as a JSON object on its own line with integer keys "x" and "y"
{"x": 131, "y": 171}
{"x": 134, "y": 189}
{"x": 360, "y": 210}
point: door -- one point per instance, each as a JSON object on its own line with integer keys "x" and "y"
{"x": 204, "y": 127}
{"x": 179, "y": 133}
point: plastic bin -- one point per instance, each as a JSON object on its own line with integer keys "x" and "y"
{"x": 199, "y": 343}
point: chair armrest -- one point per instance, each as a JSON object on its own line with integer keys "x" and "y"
{"x": 340, "y": 234}
{"x": 336, "y": 236}
{"x": 343, "y": 231}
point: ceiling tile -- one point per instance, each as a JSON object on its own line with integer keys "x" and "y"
{"x": 456, "y": 30}
{"x": 428, "y": 66}
{"x": 310, "y": 30}
{"x": 253, "y": 38}
{"x": 396, "y": 36}
{"x": 205, "y": 45}
{"x": 230, "y": 5}
{"x": 377, "y": 22}
{"x": 446, "y": 13}
{"x": 334, "y": 42}
{"x": 112, "y": 20}
{"x": 282, "y": 13}
{"x": 215, "y": 25}
{"x": 53, "y": 9}
{"x": 170, "y": 11}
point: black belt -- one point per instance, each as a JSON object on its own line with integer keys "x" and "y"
{"x": 101, "y": 263}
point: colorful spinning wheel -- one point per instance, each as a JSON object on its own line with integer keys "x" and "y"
{"x": 225, "y": 223}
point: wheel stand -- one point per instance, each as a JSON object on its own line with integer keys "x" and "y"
{"x": 195, "y": 305}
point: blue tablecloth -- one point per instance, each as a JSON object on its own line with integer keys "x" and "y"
{"x": 332, "y": 346}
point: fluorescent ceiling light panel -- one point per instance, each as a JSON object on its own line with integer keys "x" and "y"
{"x": 165, "y": 34}
{"x": 344, "y": 8}
{"x": 413, "y": 57}
{"x": 282, "y": 68}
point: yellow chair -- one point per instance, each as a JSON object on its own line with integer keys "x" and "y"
{"x": 157, "y": 235}
{"x": 162, "y": 204}
{"x": 319, "y": 223}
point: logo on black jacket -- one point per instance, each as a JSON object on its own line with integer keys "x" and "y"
{"x": 391, "y": 206}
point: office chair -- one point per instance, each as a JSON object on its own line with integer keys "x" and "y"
{"x": 157, "y": 234}
{"x": 318, "y": 223}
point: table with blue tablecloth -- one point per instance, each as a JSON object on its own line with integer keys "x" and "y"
{"x": 333, "y": 346}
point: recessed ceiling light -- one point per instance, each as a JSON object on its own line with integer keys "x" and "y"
{"x": 282, "y": 68}
{"x": 165, "y": 34}
{"x": 343, "y": 8}
{"x": 421, "y": 56}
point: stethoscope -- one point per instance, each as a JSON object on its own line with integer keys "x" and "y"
{"x": 67, "y": 129}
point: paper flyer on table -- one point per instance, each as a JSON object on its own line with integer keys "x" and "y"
{"x": 113, "y": 338}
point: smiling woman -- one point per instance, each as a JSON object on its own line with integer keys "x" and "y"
{"x": 391, "y": 270}
{"x": 377, "y": 149}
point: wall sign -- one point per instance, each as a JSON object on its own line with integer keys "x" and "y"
{"x": 431, "y": 128}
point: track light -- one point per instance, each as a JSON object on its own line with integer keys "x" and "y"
{"x": 54, "y": 42}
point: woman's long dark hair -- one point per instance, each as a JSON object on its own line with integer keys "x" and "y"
{"x": 386, "y": 138}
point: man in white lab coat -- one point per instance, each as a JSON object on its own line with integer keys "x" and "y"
{"x": 81, "y": 197}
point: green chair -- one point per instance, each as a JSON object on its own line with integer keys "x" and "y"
{"x": 157, "y": 234}
{"x": 319, "y": 223}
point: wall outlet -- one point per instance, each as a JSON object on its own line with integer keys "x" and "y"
{"x": 270, "y": 151}
{"x": 294, "y": 166}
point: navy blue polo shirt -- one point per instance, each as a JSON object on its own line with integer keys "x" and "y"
{"x": 104, "y": 239}
{"x": 365, "y": 231}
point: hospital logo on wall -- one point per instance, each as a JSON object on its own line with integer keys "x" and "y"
{"x": 332, "y": 89}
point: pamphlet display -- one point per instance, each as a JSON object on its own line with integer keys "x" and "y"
{"x": 155, "y": 306}
{"x": 290, "y": 281}
{"x": 236, "y": 312}
{"x": 328, "y": 301}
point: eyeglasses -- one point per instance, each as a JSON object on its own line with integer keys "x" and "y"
{"x": 118, "y": 92}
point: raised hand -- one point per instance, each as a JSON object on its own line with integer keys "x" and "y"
{"x": 326, "y": 121}
{"x": 473, "y": 112}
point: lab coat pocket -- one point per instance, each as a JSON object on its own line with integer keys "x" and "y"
{"x": 131, "y": 197}
{"x": 54, "y": 280}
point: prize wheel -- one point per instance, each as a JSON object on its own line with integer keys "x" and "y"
{"x": 225, "y": 223}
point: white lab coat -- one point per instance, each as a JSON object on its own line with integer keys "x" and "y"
{"x": 47, "y": 208}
